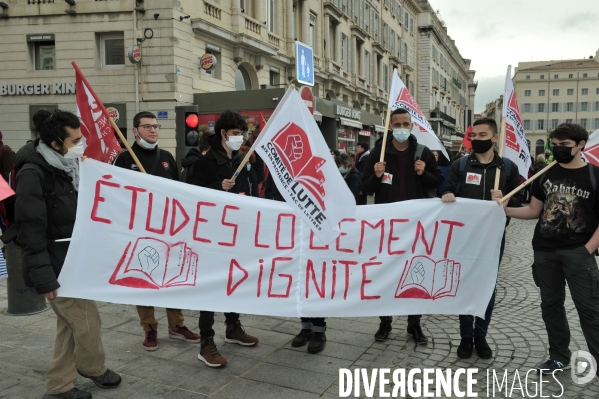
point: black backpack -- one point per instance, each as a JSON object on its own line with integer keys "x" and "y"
{"x": 431, "y": 192}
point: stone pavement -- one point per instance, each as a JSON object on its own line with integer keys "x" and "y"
{"x": 274, "y": 369}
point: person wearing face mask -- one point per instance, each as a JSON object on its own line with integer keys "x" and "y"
{"x": 473, "y": 176}
{"x": 351, "y": 175}
{"x": 156, "y": 162}
{"x": 565, "y": 241}
{"x": 400, "y": 177}
{"x": 45, "y": 209}
{"x": 214, "y": 170}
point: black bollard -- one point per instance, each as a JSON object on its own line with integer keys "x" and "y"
{"x": 22, "y": 300}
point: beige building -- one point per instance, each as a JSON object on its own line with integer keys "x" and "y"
{"x": 356, "y": 43}
{"x": 554, "y": 92}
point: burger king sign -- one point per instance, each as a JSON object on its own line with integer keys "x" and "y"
{"x": 208, "y": 62}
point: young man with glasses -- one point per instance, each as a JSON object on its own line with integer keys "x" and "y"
{"x": 565, "y": 242}
{"x": 215, "y": 170}
{"x": 160, "y": 163}
{"x": 473, "y": 176}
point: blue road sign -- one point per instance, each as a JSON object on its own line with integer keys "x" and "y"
{"x": 304, "y": 63}
{"x": 162, "y": 114}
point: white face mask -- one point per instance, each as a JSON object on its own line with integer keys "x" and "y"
{"x": 401, "y": 135}
{"x": 75, "y": 151}
{"x": 146, "y": 145}
{"x": 234, "y": 143}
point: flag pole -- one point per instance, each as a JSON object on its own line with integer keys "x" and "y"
{"x": 101, "y": 105}
{"x": 251, "y": 151}
{"x": 385, "y": 134}
{"x": 527, "y": 182}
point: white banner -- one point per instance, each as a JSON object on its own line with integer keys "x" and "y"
{"x": 514, "y": 144}
{"x": 591, "y": 149}
{"x": 400, "y": 97}
{"x": 301, "y": 165}
{"x": 145, "y": 240}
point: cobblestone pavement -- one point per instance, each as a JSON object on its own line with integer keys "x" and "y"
{"x": 274, "y": 369}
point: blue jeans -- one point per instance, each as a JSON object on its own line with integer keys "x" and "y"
{"x": 471, "y": 326}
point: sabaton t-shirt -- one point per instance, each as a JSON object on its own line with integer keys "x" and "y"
{"x": 569, "y": 215}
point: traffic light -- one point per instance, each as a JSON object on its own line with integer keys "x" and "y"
{"x": 187, "y": 122}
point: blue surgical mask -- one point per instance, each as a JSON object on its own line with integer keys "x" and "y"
{"x": 248, "y": 167}
{"x": 401, "y": 135}
{"x": 342, "y": 170}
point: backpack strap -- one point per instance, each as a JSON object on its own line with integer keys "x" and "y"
{"x": 508, "y": 170}
{"x": 592, "y": 174}
{"x": 463, "y": 161}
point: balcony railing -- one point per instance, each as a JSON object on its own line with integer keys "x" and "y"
{"x": 274, "y": 39}
{"x": 212, "y": 10}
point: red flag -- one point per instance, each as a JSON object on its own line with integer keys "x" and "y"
{"x": 262, "y": 121}
{"x": 99, "y": 139}
{"x": 466, "y": 143}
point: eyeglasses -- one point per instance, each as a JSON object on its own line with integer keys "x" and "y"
{"x": 149, "y": 127}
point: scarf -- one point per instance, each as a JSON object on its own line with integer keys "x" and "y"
{"x": 364, "y": 154}
{"x": 69, "y": 166}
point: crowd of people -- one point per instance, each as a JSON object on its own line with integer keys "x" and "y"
{"x": 564, "y": 200}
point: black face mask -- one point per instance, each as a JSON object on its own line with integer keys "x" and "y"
{"x": 563, "y": 154}
{"x": 481, "y": 146}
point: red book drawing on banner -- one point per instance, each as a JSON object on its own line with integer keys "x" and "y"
{"x": 154, "y": 264}
{"x": 424, "y": 278}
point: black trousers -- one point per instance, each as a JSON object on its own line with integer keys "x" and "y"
{"x": 413, "y": 319}
{"x": 207, "y": 321}
{"x": 551, "y": 271}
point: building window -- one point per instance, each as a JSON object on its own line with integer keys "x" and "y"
{"x": 527, "y": 77}
{"x": 584, "y": 106}
{"x": 554, "y": 107}
{"x": 216, "y": 72}
{"x": 386, "y": 77}
{"x": 553, "y": 124}
{"x": 343, "y": 45}
{"x": 556, "y": 92}
{"x": 583, "y": 123}
{"x": 242, "y": 79}
{"x": 366, "y": 64}
{"x": 541, "y": 93}
{"x": 44, "y": 55}
{"x": 312, "y": 30}
{"x": 526, "y": 124}
{"x": 585, "y": 92}
{"x": 526, "y": 107}
{"x": 568, "y": 120}
{"x": 584, "y": 75}
{"x": 570, "y": 76}
{"x": 406, "y": 20}
{"x": 569, "y": 107}
{"x": 274, "y": 78}
{"x": 526, "y": 93}
{"x": 112, "y": 51}
{"x": 542, "y": 77}
{"x": 541, "y": 107}
{"x": 570, "y": 92}
{"x": 540, "y": 124}
{"x": 555, "y": 76}
{"x": 596, "y": 123}
{"x": 270, "y": 15}
{"x": 596, "y": 106}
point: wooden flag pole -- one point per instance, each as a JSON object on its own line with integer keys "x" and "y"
{"x": 251, "y": 151}
{"x": 387, "y": 118}
{"x": 124, "y": 141}
{"x": 527, "y": 182}
{"x": 500, "y": 151}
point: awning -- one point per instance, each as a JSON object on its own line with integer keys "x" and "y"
{"x": 379, "y": 128}
{"x": 350, "y": 123}
{"x": 317, "y": 116}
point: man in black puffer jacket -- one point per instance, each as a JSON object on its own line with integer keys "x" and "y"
{"x": 401, "y": 178}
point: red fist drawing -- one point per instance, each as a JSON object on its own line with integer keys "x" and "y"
{"x": 294, "y": 148}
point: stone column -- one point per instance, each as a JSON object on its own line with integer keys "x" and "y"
{"x": 290, "y": 31}
{"x": 354, "y": 55}
{"x": 337, "y": 41}
{"x": 327, "y": 37}
{"x": 306, "y": 22}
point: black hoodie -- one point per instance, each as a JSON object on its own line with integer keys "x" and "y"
{"x": 42, "y": 217}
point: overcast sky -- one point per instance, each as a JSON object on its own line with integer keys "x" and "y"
{"x": 495, "y": 34}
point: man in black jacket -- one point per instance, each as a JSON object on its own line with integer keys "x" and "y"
{"x": 476, "y": 180}
{"x": 160, "y": 163}
{"x": 399, "y": 178}
{"x": 214, "y": 170}
{"x": 362, "y": 155}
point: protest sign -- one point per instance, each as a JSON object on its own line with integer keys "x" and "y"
{"x": 143, "y": 240}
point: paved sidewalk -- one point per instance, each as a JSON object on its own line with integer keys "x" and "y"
{"x": 274, "y": 369}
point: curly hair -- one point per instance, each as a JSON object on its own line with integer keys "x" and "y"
{"x": 230, "y": 120}
{"x": 51, "y": 126}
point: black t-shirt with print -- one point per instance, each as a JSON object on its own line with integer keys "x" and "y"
{"x": 569, "y": 215}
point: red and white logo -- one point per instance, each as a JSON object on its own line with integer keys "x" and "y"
{"x": 166, "y": 165}
{"x": 406, "y": 97}
{"x": 592, "y": 154}
{"x": 473, "y": 178}
{"x": 513, "y": 104}
{"x": 302, "y": 165}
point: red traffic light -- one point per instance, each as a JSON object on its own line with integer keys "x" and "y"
{"x": 192, "y": 121}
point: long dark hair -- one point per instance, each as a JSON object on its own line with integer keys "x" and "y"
{"x": 51, "y": 126}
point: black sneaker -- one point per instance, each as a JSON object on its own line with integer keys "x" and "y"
{"x": 317, "y": 342}
{"x": 73, "y": 393}
{"x": 382, "y": 333}
{"x": 416, "y": 332}
{"x": 302, "y": 338}
{"x": 482, "y": 348}
{"x": 465, "y": 348}
{"x": 551, "y": 365}
{"x": 108, "y": 380}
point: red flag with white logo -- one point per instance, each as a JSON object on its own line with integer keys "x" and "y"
{"x": 466, "y": 142}
{"x": 98, "y": 135}
{"x": 591, "y": 149}
{"x": 515, "y": 146}
{"x": 302, "y": 168}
